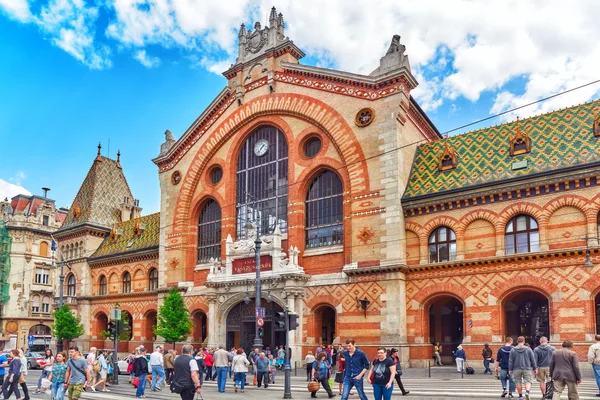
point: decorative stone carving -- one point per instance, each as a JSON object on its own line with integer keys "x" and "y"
{"x": 596, "y": 124}
{"x": 176, "y": 178}
{"x": 520, "y": 143}
{"x": 448, "y": 159}
{"x": 364, "y": 117}
{"x": 394, "y": 58}
{"x": 169, "y": 142}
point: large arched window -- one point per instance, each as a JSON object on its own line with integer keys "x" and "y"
{"x": 126, "y": 282}
{"x": 324, "y": 211}
{"x": 71, "y": 289}
{"x": 522, "y": 235}
{"x": 209, "y": 232}
{"x": 262, "y": 182}
{"x": 102, "y": 285}
{"x": 153, "y": 279}
{"x": 442, "y": 245}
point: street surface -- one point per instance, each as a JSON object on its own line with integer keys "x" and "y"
{"x": 445, "y": 383}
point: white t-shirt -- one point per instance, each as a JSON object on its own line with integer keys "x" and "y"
{"x": 193, "y": 364}
{"x": 48, "y": 360}
{"x": 156, "y": 359}
{"x": 90, "y": 360}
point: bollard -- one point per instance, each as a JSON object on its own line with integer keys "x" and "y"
{"x": 429, "y": 364}
{"x": 462, "y": 371}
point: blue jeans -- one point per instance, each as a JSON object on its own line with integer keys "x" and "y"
{"x": 597, "y": 374}
{"x": 209, "y": 374}
{"x": 240, "y": 380}
{"x": 229, "y": 372}
{"x": 505, "y": 376}
{"x": 221, "y": 378}
{"x": 349, "y": 383}
{"x": 141, "y": 386}
{"x": 58, "y": 390}
{"x": 486, "y": 364}
{"x": 44, "y": 374}
{"x": 380, "y": 391}
{"x": 160, "y": 371}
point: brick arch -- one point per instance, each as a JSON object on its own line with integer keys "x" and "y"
{"x": 426, "y": 295}
{"x": 475, "y": 215}
{"x": 578, "y": 202}
{"x": 443, "y": 220}
{"x": 592, "y": 285}
{"x": 416, "y": 228}
{"x": 198, "y": 307}
{"x": 520, "y": 283}
{"x": 111, "y": 271}
{"x": 519, "y": 208}
{"x": 314, "y": 111}
{"x": 315, "y": 321}
{"x": 100, "y": 309}
{"x": 319, "y": 300}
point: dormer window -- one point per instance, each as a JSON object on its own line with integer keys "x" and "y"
{"x": 45, "y": 220}
{"x": 596, "y": 124}
{"x": 448, "y": 159}
{"x": 520, "y": 143}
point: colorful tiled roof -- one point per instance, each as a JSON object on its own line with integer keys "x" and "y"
{"x": 129, "y": 238}
{"x": 100, "y": 196}
{"x": 559, "y": 139}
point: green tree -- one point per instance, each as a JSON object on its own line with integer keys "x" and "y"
{"x": 66, "y": 325}
{"x": 125, "y": 330}
{"x": 173, "y": 322}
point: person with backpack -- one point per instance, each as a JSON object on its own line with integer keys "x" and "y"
{"x": 506, "y": 379}
{"x": 77, "y": 374}
{"x": 460, "y": 357}
{"x": 92, "y": 366}
{"x": 102, "y": 370}
{"x": 321, "y": 372}
{"x": 200, "y": 360}
{"x": 487, "y": 354}
{"x": 140, "y": 370}
{"x": 396, "y": 359}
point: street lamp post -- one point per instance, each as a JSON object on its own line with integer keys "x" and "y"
{"x": 59, "y": 344}
{"x": 258, "y": 343}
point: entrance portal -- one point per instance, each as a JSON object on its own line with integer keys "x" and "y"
{"x": 446, "y": 324}
{"x": 526, "y": 314}
{"x": 241, "y": 322}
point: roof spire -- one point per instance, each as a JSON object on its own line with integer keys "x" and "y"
{"x": 242, "y": 31}
{"x": 273, "y": 18}
{"x": 119, "y": 158}
{"x": 98, "y": 157}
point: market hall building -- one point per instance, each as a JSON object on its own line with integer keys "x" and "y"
{"x": 371, "y": 225}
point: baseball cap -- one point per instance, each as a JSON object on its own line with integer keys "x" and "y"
{"x": 142, "y": 349}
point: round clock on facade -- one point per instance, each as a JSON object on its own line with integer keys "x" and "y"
{"x": 261, "y": 147}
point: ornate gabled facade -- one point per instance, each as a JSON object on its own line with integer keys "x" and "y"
{"x": 27, "y": 279}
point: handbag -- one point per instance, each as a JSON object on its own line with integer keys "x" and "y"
{"x": 549, "y": 390}
{"x": 176, "y": 387}
{"x": 22, "y": 378}
{"x": 313, "y": 386}
{"x": 339, "y": 377}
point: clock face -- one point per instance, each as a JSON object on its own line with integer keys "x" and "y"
{"x": 261, "y": 147}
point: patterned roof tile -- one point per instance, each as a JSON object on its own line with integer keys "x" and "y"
{"x": 130, "y": 240}
{"x": 559, "y": 139}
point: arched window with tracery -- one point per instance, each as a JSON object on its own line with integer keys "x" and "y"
{"x": 71, "y": 285}
{"x": 209, "y": 232}
{"x": 262, "y": 182}
{"x": 102, "y": 285}
{"x": 153, "y": 279}
{"x": 126, "y": 282}
{"x": 442, "y": 245}
{"x": 522, "y": 235}
{"x": 324, "y": 211}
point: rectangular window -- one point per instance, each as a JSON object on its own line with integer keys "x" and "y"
{"x": 42, "y": 276}
{"x": 45, "y": 220}
{"x": 45, "y": 307}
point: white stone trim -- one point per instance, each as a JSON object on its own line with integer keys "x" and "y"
{"x": 319, "y": 251}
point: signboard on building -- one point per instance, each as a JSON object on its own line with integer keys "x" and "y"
{"x": 248, "y": 265}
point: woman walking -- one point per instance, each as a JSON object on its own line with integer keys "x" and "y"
{"x": 460, "y": 357}
{"x": 384, "y": 372}
{"x": 396, "y": 359}
{"x": 321, "y": 373}
{"x": 23, "y": 377}
{"x": 57, "y": 377}
{"x": 11, "y": 381}
{"x": 308, "y": 361}
{"x": 48, "y": 361}
{"x": 240, "y": 365}
{"x": 437, "y": 353}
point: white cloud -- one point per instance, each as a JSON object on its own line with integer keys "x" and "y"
{"x": 17, "y": 9}
{"x": 18, "y": 178}
{"x": 146, "y": 60}
{"x": 9, "y": 190}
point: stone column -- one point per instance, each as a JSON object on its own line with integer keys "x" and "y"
{"x": 213, "y": 334}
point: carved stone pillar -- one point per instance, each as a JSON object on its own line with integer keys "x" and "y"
{"x": 213, "y": 324}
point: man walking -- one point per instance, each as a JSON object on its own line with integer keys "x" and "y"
{"x": 186, "y": 376}
{"x": 487, "y": 354}
{"x": 91, "y": 360}
{"x": 156, "y": 363}
{"x": 262, "y": 370}
{"x": 506, "y": 379}
{"x": 356, "y": 366}
{"x": 594, "y": 359}
{"x": 169, "y": 359}
{"x": 221, "y": 358}
{"x": 564, "y": 370}
{"x": 140, "y": 370}
{"x": 77, "y": 374}
{"x": 522, "y": 367}
{"x": 543, "y": 355}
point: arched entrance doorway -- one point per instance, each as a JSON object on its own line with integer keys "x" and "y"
{"x": 526, "y": 314}
{"x": 149, "y": 324}
{"x": 597, "y": 305}
{"x": 42, "y": 335}
{"x": 241, "y": 322}
{"x": 446, "y": 324}
{"x": 324, "y": 317}
{"x": 127, "y": 332}
{"x": 199, "y": 331}
{"x": 101, "y": 324}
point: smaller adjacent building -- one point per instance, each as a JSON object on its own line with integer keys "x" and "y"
{"x": 26, "y": 275}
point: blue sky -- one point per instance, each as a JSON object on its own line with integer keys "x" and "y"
{"x": 76, "y": 73}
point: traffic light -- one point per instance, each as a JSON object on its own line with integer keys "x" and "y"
{"x": 280, "y": 320}
{"x": 261, "y": 331}
{"x": 292, "y": 322}
{"x": 112, "y": 329}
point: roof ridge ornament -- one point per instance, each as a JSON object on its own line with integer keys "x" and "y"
{"x": 520, "y": 143}
{"x": 448, "y": 159}
{"x": 98, "y": 156}
{"x": 596, "y": 124}
{"x": 393, "y": 59}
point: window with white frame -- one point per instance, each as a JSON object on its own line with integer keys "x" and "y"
{"x": 35, "y": 304}
{"x": 42, "y": 276}
{"x": 46, "y": 304}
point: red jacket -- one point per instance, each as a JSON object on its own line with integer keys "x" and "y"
{"x": 209, "y": 360}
